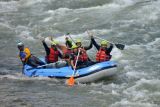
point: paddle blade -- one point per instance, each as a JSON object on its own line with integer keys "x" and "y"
{"x": 71, "y": 81}
{"x": 120, "y": 46}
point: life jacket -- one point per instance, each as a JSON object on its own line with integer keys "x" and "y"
{"x": 26, "y": 53}
{"x": 102, "y": 56}
{"x": 83, "y": 57}
{"x": 53, "y": 56}
{"x": 66, "y": 53}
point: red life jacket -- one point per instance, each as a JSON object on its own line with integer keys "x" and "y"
{"x": 66, "y": 53}
{"x": 102, "y": 56}
{"x": 53, "y": 56}
{"x": 83, "y": 57}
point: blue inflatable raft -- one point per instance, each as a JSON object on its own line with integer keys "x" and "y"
{"x": 88, "y": 74}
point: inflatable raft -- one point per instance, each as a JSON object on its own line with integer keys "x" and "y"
{"x": 91, "y": 73}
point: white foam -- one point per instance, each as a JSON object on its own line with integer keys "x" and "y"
{"x": 124, "y": 2}
{"x": 139, "y": 91}
{"x": 136, "y": 74}
{"x": 47, "y": 19}
{"x": 155, "y": 42}
{"x": 29, "y": 3}
{"x": 126, "y": 103}
{"x": 100, "y": 31}
{"x": 97, "y": 84}
{"x": 153, "y": 82}
{"x": 19, "y": 76}
{"x": 147, "y": 13}
{"x": 74, "y": 20}
{"x": 115, "y": 93}
{"x": 59, "y": 11}
{"x": 6, "y": 25}
{"x": 151, "y": 46}
{"x": 114, "y": 6}
{"x": 8, "y": 6}
{"x": 79, "y": 36}
{"x": 128, "y": 68}
{"x": 116, "y": 54}
{"x": 26, "y": 35}
{"x": 97, "y": 92}
{"x": 123, "y": 61}
{"x": 116, "y": 87}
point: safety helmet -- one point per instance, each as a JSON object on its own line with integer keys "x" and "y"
{"x": 104, "y": 42}
{"x": 54, "y": 42}
{"x": 66, "y": 37}
{"x": 78, "y": 41}
{"x": 19, "y": 44}
{"x": 74, "y": 46}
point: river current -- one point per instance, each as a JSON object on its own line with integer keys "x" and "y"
{"x": 135, "y": 23}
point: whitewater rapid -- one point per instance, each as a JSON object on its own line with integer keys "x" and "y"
{"x": 134, "y": 23}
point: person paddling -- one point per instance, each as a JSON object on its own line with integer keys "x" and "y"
{"x": 104, "y": 50}
{"x": 26, "y": 56}
{"x": 73, "y": 57}
{"x": 84, "y": 49}
{"x": 79, "y": 44}
{"x": 81, "y": 62}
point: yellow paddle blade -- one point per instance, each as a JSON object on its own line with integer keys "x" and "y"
{"x": 71, "y": 81}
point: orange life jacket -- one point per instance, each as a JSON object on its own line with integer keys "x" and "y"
{"x": 102, "y": 56}
{"x": 53, "y": 56}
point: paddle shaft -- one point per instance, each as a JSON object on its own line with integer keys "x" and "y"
{"x": 71, "y": 38}
{"x": 76, "y": 62}
{"x": 119, "y": 46}
{"x": 40, "y": 66}
{"x": 97, "y": 36}
{"x": 71, "y": 80}
{"x": 102, "y": 39}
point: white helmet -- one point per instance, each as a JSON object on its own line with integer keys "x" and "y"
{"x": 20, "y": 44}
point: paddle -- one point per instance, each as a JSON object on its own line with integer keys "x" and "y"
{"x": 61, "y": 47}
{"x": 71, "y": 38}
{"x": 40, "y": 66}
{"x": 118, "y": 45}
{"x": 71, "y": 80}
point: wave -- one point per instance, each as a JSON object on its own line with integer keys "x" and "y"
{"x": 55, "y": 4}
{"x": 19, "y": 76}
{"x": 8, "y": 6}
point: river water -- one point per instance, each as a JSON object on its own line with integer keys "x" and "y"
{"x": 135, "y": 23}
